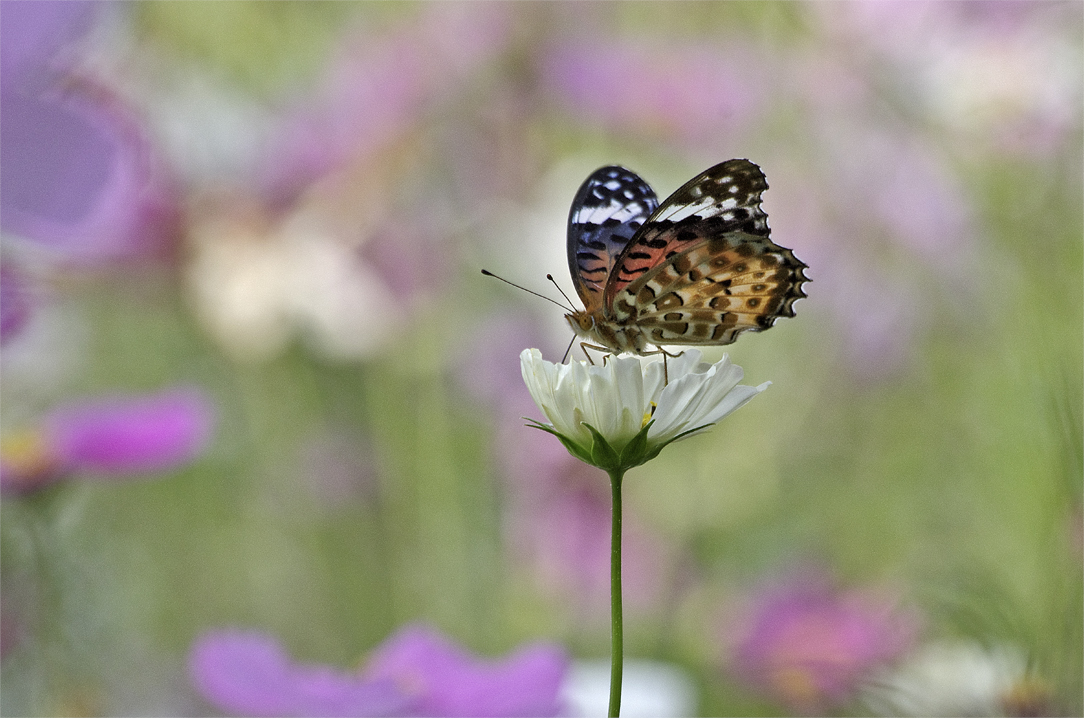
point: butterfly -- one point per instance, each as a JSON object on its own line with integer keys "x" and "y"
{"x": 697, "y": 269}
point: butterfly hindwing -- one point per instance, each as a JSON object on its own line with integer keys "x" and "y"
{"x": 610, "y": 207}
{"x": 722, "y": 199}
{"x": 717, "y": 288}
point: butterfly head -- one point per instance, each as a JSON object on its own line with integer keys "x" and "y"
{"x": 604, "y": 335}
{"x": 583, "y": 323}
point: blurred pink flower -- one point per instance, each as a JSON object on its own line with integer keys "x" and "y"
{"x": 557, "y": 518}
{"x": 445, "y": 680}
{"x": 809, "y": 645}
{"x": 889, "y": 233}
{"x": 897, "y": 186}
{"x": 14, "y": 301}
{"x": 247, "y": 673}
{"x": 378, "y": 89}
{"x": 697, "y": 91}
{"x": 80, "y": 176}
{"x": 35, "y": 36}
{"x": 563, "y": 538}
{"x": 324, "y": 245}
{"x": 1005, "y": 75}
{"x": 111, "y": 437}
{"x": 486, "y": 362}
{"x": 417, "y": 671}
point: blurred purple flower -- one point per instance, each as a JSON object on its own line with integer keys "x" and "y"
{"x": 246, "y": 673}
{"x": 376, "y": 90}
{"x": 113, "y": 437}
{"x": 78, "y": 171}
{"x": 558, "y": 522}
{"x": 486, "y": 362}
{"x": 35, "y": 34}
{"x": 695, "y": 91}
{"x": 445, "y": 680}
{"x": 809, "y": 645}
{"x": 14, "y": 302}
{"x": 886, "y": 218}
{"x": 898, "y": 186}
{"x": 415, "y": 672}
{"x": 80, "y": 178}
{"x": 563, "y": 537}
{"x": 1006, "y": 75}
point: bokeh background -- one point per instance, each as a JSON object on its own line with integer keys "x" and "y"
{"x": 280, "y": 210}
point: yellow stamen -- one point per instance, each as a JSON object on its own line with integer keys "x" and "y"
{"x": 797, "y": 685}
{"x": 26, "y": 456}
{"x": 1029, "y": 696}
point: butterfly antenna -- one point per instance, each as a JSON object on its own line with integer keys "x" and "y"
{"x": 543, "y": 296}
{"x": 550, "y": 277}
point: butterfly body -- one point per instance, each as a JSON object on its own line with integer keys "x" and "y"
{"x": 698, "y": 269}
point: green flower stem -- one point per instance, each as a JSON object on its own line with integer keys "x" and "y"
{"x": 616, "y": 648}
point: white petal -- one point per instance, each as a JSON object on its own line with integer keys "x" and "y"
{"x": 687, "y": 400}
{"x": 614, "y": 397}
{"x": 738, "y": 397}
{"x": 654, "y": 381}
{"x": 685, "y": 362}
{"x": 548, "y": 385}
{"x": 630, "y": 391}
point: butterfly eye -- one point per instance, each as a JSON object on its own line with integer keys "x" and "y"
{"x": 581, "y": 322}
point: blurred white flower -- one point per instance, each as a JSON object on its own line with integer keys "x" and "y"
{"x": 622, "y": 413}
{"x": 961, "y": 679}
{"x": 651, "y": 689}
{"x": 258, "y": 280}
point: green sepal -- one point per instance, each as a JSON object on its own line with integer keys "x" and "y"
{"x": 656, "y": 449}
{"x": 602, "y": 454}
{"x": 577, "y": 451}
{"x": 635, "y": 452}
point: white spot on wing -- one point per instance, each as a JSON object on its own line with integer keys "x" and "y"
{"x": 621, "y": 211}
{"x": 689, "y": 210}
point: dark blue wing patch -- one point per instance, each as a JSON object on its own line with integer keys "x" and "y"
{"x": 609, "y": 208}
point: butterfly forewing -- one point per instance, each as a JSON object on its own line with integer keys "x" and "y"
{"x": 730, "y": 190}
{"x": 610, "y": 207}
{"x": 722, "y": 199}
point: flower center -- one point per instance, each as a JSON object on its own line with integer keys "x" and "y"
{"x": 27, "y": 458}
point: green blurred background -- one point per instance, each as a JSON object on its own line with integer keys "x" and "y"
{"x": 923, "y": 430}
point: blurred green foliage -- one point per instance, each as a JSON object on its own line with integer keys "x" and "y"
{"x": 954, "y": 478}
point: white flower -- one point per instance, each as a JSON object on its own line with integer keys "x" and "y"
{"x": 622, "y": 413}
{"x": 945, "y": 679}
{"x": 651, "y": 688}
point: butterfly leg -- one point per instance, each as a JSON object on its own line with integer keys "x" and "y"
{"x": 665, "y": 370}
{"x": 665, "y": 373}
{"x": 585, "y": 346}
